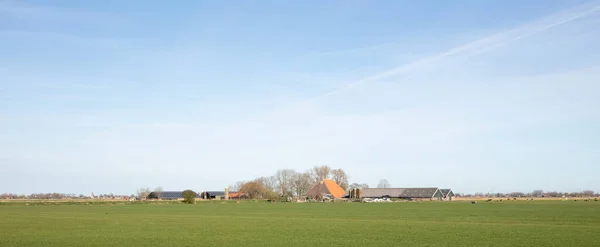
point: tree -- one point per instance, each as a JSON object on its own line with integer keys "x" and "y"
{"x": 359, "y": 186}
{"x": 237, "y": 186}
{"x": 383, "y": 184}
{"x": 517, "y": 194}
{"x": 143, "y": 193}
{"x": 588, "y": 193}
{"x": 320, "y": 173}
{"x": 158, "y": 191}
{"x": 340, "y": 177}
{"x": 285, "y": 181}
{"x": 189, "y": 196}
{"x": 537, "y": 193}
{"x": 301, "y": 183}
{"x": 254, "y": 189}
{"x": 554, "y": 194}
{"x": 269, "y": 183}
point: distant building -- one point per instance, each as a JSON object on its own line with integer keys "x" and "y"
{"x": 168, "y": 195}
{"x": 235, "y": 195}
{"x": 447, "y": 194}
{"x": 327, "y": 188}
{"x": 212, "y": 195}
{"x": 403, "y": 193}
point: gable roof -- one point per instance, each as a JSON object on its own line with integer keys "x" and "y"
{"x": 328, "y": 186}
{"x": 215, "y": 193}
{"x": 446, "y": 192}
{"x": 400, "y": 192}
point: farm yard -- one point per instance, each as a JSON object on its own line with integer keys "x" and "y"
{"x": 250, "y": 223}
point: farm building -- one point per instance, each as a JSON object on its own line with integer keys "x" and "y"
{"x": 212, "y": 195}
{"x": 404, "y": 193}
{"x": 168, "y": 195}
{"x": 234, "y": 195}
{"x": 324, "y": 189}
{"x": 447, "y": 194}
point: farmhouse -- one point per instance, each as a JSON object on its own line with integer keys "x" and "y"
{"x": 234, "y": 195}
{"x": 447, "y": 194}
{"x": 404, "y": 193}
{"x": 324, "y": 189}
{"x": 167, "y": 195}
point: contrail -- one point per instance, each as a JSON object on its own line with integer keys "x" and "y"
{"x": 475, "y": 47}
{"x": 485, "y": 44}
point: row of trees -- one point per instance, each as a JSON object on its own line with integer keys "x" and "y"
{"x": 290, "y": 183}
{"x": 536, "y": 193}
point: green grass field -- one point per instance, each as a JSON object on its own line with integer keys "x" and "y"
{"x": 520, "y": 223}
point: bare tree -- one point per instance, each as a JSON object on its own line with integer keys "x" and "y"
{"x": 383, "y": 184}
{"x": 270, "y": 183}
{"x": 301, "y": 183}
{"x": 237, "y": 186}
{"x": 320, "y": 173}
{"x": 588, "y": 193}
{"x": 143, "y": 193}
{"x": 284, "y": 179}
{"x": 340, "y": 177}
{"x": 359, "y": 186}
{"x": 537, "y": 193}
{"x": 158, "y": 191}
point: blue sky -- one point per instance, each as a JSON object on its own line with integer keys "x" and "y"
{"x": 478, "y": 96}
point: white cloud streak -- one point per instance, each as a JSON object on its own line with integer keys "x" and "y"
{"x": 479, "y": 46}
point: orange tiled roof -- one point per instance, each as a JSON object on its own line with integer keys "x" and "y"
{"x": 335, "y": 190}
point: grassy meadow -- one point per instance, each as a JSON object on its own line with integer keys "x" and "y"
{"x": 512, "y": 223}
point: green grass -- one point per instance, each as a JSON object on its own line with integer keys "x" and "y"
{"x": 535, "y": 223}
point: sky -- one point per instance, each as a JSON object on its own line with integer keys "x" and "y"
{"x": 478, "y": 96}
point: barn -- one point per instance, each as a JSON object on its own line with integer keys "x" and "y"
{"x": 212, "y": 195}
{"x": 167, "y": 195}
{"x": 447, "y": 194}
{"x": 324, "y": 189}
{"x": 434, "y": 194}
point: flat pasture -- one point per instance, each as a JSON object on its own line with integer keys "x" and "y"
{"x": 460, "y": 223}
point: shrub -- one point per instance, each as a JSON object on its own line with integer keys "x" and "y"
{"x": 189, "y": 196}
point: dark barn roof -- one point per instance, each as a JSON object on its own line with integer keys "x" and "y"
{"x": 212, "y": 194}
{"x": 399, "y": 192}
{"x": 167, "y": 195}
{"x": 446, "y": 192}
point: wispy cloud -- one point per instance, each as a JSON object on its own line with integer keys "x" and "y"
{"x": 110, "y": 43}
{"x": 481, "y": 45}
{"x": 24, "y": 11}
{"x": 35, "y": 21}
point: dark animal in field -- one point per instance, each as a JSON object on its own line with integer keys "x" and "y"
{"x": 489, "y": 200}
{"x": 500, "y": 199}
{"x": 595, "y": 199}
{"x": 473, "y": 202}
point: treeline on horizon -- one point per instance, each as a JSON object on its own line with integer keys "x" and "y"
{"x": 288, "y": 183}
{"x": 536, "y": 193}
